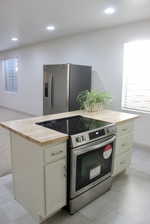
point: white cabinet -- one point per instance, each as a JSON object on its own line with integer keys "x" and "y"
{"x": 123, "y": 148}
{"x": 5, "y": 161}
{"x": 122, "y": 162}
{"x": 124, "y": 143}
{"x": 55, "y": 186}
{"x": 39, "y": 174}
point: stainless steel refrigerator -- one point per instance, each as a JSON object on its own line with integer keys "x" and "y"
{"x": 62, "y": 84}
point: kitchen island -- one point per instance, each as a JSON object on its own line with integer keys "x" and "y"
{"x": 39, "y": 158}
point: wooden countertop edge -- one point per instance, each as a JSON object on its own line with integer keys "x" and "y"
{"x": 121, "y": 121}
{"x": 55, "y": 140}
{"x": 131, "y": 118}
{"x": 60, "y": 138}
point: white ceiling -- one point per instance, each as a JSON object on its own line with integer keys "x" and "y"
{"x": 27, "y": 19}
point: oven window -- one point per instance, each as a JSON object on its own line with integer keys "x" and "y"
{"x": 93, "y": 165}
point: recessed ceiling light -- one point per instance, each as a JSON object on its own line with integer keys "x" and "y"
{"x": 51, "y": 28}
{"x": 14, "y": 39}
{"x": 109, "y": 11}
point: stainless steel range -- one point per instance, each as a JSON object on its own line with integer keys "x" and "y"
{"x": 90, "y": 156}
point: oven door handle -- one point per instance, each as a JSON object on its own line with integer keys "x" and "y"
{"x": 80, "y": 151}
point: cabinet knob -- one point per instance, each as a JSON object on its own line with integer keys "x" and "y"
{"x": 56, "y": 153}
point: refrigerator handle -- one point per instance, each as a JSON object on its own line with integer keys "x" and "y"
{"x": 52, "y": 90}
{"x": 46, "y": 89}
{"x": 50, "y": 87}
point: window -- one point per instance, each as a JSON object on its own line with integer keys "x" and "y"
{"x": 10, "y": 67}
{"x": 136, "y": 76}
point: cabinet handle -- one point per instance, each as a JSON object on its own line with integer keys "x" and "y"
{"x": 65, "y": 173}
{"x": 124, "y": 129}
{"x": 123, "y": 145}
{"x": 122, "y": 162}
{"x": 56, "y": 153}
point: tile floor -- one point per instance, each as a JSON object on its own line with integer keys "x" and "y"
{"x": 126, "y": 203}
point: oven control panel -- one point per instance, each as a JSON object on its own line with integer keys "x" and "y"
{"x": 96, "y": 134}
{"x": 86, "y": 137}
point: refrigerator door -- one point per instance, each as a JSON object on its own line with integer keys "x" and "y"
{"x": 56, "y": 89}
{"x": 80, "y": 80}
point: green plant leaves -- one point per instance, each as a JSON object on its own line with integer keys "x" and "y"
{"x": 91, "y": 98}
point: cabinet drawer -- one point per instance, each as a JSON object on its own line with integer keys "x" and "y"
{"x": 55, "y": 152}
{"x": 121, "y": 162}
{"x": 125, "y": 128}
{"x": 124, "y": 143}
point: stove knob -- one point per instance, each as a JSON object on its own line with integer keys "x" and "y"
{"x": 83, "y": 138}
{"x": 78, "y": 139}
{"x": 108, "y": 130}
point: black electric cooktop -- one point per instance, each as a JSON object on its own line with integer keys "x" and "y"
{"x": 74, "y": 125}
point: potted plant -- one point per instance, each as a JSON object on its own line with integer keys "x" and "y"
{"x": 93, "y": 101}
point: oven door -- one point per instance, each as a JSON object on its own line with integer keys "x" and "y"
{"x": 90, "y": 165}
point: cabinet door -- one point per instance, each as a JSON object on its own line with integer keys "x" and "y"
{"x": 123, "y": 144}
{"x": 122, "y": 162}
{"x": 55, "y": 186}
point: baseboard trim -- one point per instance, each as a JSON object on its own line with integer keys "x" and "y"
{"x": 18, "y": 111}
{"x": 141, "y": 145}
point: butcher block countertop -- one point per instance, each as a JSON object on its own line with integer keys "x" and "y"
{"x": 28, "y": 128}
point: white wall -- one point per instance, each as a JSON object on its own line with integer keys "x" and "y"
{"x": 102, "y": 49}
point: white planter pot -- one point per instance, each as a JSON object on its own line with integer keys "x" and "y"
{"x": 93, "y": 108}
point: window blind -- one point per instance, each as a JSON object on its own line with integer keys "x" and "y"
{"x": 10, "y": 73}
{"x": 136, "y": 76}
